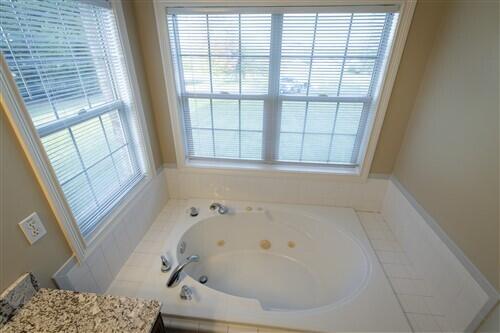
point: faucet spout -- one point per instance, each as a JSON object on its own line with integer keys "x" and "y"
{"x": 176, "y": 274}
{"x": 221, "y": 209}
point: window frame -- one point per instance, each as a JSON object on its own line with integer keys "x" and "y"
{"x": 30, "y": 140}
{"x": 380, "y": 101}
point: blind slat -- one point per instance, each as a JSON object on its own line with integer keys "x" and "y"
{"x": 67, "y": 62}
{"x": 330, "y": 64}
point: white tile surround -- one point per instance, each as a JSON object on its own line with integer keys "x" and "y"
{"x": 408, "y": 285}
{"x": 102, "y": 265}
{"x": 367, "y": 196}
{"x": 461, "y": 295}
{"x": 434, "y": 287}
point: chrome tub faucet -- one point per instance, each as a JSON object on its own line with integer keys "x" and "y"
{"x": 221, "y": 209}
{"x": 176, "y": 274}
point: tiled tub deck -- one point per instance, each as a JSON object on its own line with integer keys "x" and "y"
{"x": 410, "y": 289}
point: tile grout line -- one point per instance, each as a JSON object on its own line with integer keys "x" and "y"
{"x": 408, "y": 265}
{"x": 385, "y": 273}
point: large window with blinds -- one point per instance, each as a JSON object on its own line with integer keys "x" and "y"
{"x": 279, "y": 85}
{"x": 67, "y": 62}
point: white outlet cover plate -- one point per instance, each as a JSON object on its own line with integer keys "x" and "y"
{"x": 32, "y": 228}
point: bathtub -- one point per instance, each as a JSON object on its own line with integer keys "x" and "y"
{"x": 297, "y": 267}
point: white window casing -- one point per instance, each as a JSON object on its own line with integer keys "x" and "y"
{"x": 308, "y": 102}
{"x": 70, "y": 90}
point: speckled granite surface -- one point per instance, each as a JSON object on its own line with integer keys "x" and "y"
{"x": 16, "y": 295}
{"x": 67, "y": 311}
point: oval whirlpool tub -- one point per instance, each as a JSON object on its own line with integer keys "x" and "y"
{"x": 299, "y": 267}
{"x": 285, "y": 261}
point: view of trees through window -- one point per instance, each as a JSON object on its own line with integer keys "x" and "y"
{"x": 67, "y": 64}
{"x": 278, "y": 88}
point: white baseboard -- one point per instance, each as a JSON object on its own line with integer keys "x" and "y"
{"x": 366, "y": 196}
{"x": 99, "y": 269}
{"x": 461, "y": 291}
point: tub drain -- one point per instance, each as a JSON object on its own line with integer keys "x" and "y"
{"x": 203, "y": 279}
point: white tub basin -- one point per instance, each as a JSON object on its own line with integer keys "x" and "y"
{"x": 305, "y": 268}
{"x": 285, "y": 261}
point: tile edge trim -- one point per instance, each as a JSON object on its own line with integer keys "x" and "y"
{"x": 60, "y": 277}
{"x": 483, "y": 282}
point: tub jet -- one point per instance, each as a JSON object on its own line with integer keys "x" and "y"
{"x": 203, "y": 279}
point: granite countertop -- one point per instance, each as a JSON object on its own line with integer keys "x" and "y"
{"x": 52, "y": 310}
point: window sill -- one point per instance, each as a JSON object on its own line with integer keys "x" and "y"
{"x": 273, "y": 170}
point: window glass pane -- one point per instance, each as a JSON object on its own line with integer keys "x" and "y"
{"x": 113, "y": 130}
{"x": 104, "y": 179}
{"x": 226, "y": 114}
{"x": 236, "y": 63}
{"x": 298, "y": 35}
{"x": 365, "y": 35}
{"x": 63, "y": 155}
{"x": 357, "y": 77}
{"x": 226, "y": 144}
{"x": 316, "y": 147}
{"x": 202, "y": 143}
{"x": 293, "y": 116}
{"x": 192, "y": 34}
{"x": 224, "y": 34}
{"x": 200, "y": 114}
{"x": 254, "y": 75}
{"x": 225, "y": 75}
{"x": 332, "y": 31}
{"x": 252, "y": 113}
{"x": 255, "y": 34}
{"x": 342, "y": 148}
{"x": 58, "y": 73}
{"x": 124, "y": 164}
{"x": 251, "y": 145}
{"x": 318, "y": 82}
{"x": 349, "y": 115}
{"x": 290, "y": 146}
{"x": 320, "y": 117}
{"x": 196, "y": 72}
{"x": 90, "y": 140}
{"x": 80, "y": 196}
{"x": 67, "y": 63}
{"x": 255, "y": 46}
{"x": 294, "y": 76}
{"x": 325, "y": 77}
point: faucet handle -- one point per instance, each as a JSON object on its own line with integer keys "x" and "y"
{"x": 193, "y": 258}
{"x": 165, "y": 264}
{"x": 221, "y": 209}
{"x": 193, "y": 211}
{"x": 186, "y": 293}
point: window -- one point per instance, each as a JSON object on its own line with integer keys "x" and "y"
{"x": 67, "y": 62}
{"x": 279, "y": 85}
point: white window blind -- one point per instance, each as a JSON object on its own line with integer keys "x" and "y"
{"x": 284, "y": 86}
{"x": 67, "y": 62}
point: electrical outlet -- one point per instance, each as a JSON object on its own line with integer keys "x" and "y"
{"x": 32, "y": 228}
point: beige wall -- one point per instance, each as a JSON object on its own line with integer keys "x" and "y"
{"x": 151, "y": 118}
{"x": 449, "y": 159}
{"x": 491, "y": 324}
{"x": 148, "y": 42}
{"x": 21, "y": 195}
{"x": 418, "y": 45}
